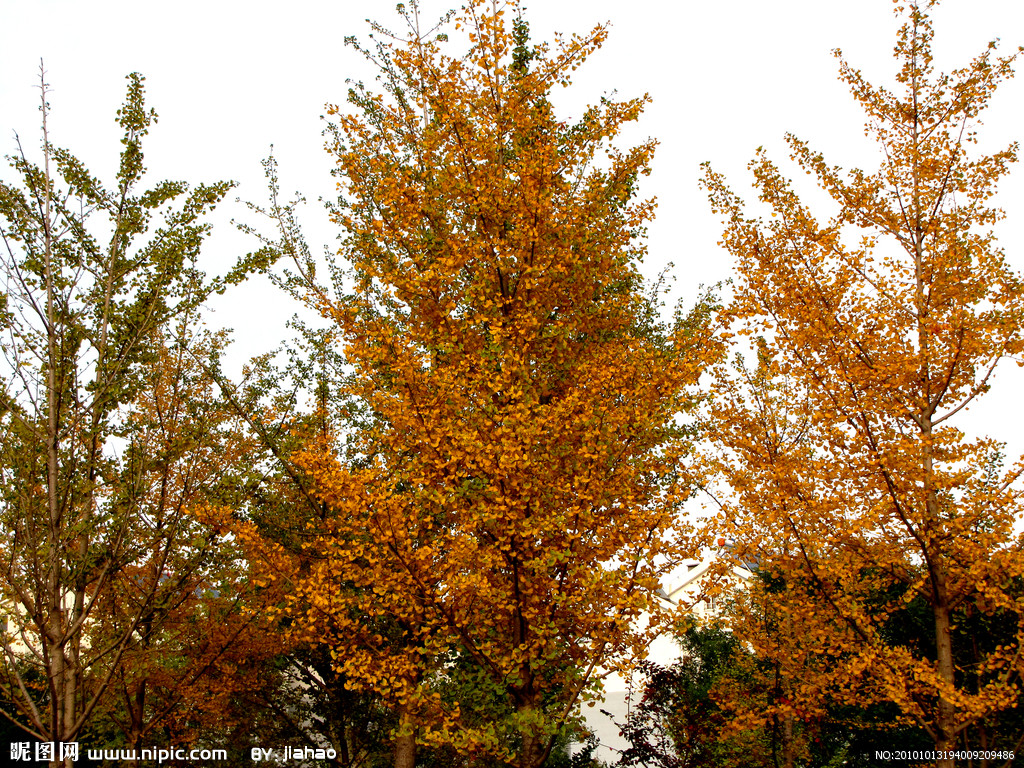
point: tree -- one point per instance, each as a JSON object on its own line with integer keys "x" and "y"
{"x": 715, "y": 706}
{"x": 676, "y": 722}
{"x": 301, "y": 693}
{"x": 510, "y": 501}
{"x": 729, "y": 699}
{"x": 97, "y": 485}
{"x": 198, "y": 633}
{"x": 847, "y": 476}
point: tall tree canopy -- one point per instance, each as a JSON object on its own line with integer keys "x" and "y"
{"x": 875, "y": 330}
{"x": 508, "y": 508}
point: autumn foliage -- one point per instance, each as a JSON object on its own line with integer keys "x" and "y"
{"x": 874, "y": 330}
{"x": 423, "y": 533}
{"x": 507, "y": 509}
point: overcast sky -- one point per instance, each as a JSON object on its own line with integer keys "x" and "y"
{"x": 230, "y": 78}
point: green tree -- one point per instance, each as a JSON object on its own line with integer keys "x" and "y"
{"x": 102, "y": 291}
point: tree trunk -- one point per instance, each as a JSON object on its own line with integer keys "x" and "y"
{"x": 405, "y": 739}
{"x": 787, "y": 741}
{"x": 944, "y": 657}
{"x": 535, "y": 747}
{"x": 945, "y": 738}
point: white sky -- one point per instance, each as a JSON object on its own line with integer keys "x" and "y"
{"x": 230, "y": 78}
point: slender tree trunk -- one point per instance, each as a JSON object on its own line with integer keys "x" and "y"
{"x": 939, "y": 597}
{"x": 787, "y": 741}
{"x": 947, "y": 712}
{"x": 944, "y": 658}
{"x": 61, "y": 673}
{"x": 946, "y": 721}
{"x": 531, "y": 755}
{"x": 405, "y": 741}
{"x": 535, "y": 747}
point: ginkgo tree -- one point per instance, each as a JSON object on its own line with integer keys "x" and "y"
{"x": 876, "y": 329}
{"x": 508, "y": 507}
{"x": 107, "y": 447}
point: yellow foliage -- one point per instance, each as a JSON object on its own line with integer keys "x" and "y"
{"x": 511, "y": 501}
{"x": 848, "y": 481}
